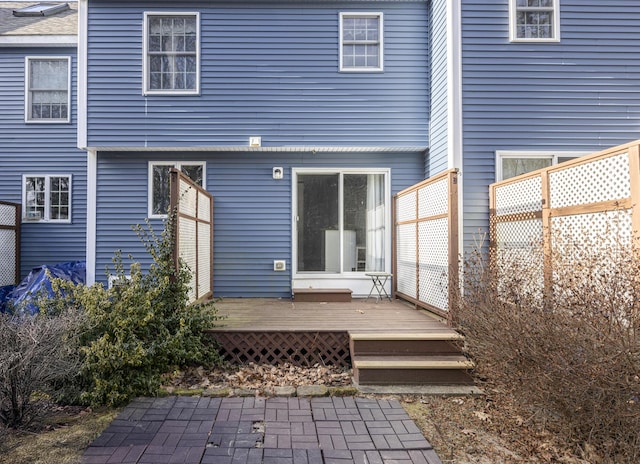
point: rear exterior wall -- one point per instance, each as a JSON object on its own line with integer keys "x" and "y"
{"x": 40, "y": 148}
{"x": 578, "y": 94}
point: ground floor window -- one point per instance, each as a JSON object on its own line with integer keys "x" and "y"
{"x": 46, "y": 198}
{"x": 513, "y": 163}
{"x": 159, "y": 193}
{"x": 341, "y": 221}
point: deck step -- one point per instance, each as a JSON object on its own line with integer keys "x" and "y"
{"x": 437, "y": 342}
{"x": 412, "y": 370}
{"x": 322, "y": 295}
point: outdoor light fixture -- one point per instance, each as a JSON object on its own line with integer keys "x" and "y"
{"x": 278, "y": 173}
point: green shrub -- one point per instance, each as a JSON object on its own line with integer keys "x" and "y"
{"x": 141, "y": 327}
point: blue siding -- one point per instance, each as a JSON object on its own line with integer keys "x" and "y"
{"x": 438, "y": 149}
{"x": 252, "y": 218}
{"x": 579, "y": 94}
{"x": 267, "y": 70}
{"x": 40, "y": 148}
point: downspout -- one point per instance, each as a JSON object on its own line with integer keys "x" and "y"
{"x": 92, "y": 156}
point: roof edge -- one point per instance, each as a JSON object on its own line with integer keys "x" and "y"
{"x": 39, "y": 41}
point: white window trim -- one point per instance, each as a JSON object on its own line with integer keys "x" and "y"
{"x": 294, "y": 208}
{"x": 145, "y": 54}
{"x": 27, "y": 90}
{"x": 552, "y": 155}
{"x": 513, "y": 33}
{"x": 47, "y": 200}
{"x": 366, "y": 14}
{"x": 174, "y": 164}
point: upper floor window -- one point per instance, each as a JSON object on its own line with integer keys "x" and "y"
{"x": 46, "y": 198}
{"x": 47, "y": 89}
{"x": 159, "y": 188}
{"x": 172, "y": 53}
{"x": 513, "y": 163}
{"x": 535, "y": 20}
{"x": 361, "y": 44}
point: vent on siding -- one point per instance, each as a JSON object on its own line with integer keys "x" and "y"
{"x": 41, "y": 9}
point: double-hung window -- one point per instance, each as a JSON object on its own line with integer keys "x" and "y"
{"x": 47, "y": 89}
{"x": 514, "y": 163}
{"x": 361, "y": 44}
{"x": 46, "y": 198}
{"x": 159, "y": 193}
{"x": 172, "y": 53}
{"x": 534, "y": 20}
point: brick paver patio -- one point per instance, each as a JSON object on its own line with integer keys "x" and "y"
{"x": 261, "y": 430}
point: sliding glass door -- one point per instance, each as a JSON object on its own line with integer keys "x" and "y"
{"x": 341, "y": 221}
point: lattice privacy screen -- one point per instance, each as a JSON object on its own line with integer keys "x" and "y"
{"x": 426, "y": 241}
{"x": 9, "y": 243}
{"x": 564, "y": 211}
{"x": 194, "y": 233}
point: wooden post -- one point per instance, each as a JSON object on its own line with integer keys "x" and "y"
{"x": 547, "y": 233}
{"x": 174, "y": 205}
{"x": 454, "y": 265}
{"x": 634, "y": 171}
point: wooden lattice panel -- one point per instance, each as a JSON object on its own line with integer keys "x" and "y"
{"x": 597, "y": 181}
{"x": 297, "y": 348}
{"x": 433, "y": 270}
{"x": 9, "y": 239}
{"x": 406, "y": 259}
{"x": 597, "y": 232}
{"x": 406, "y": 207}
{"x": 433, "y": 199}
{"x": 519, "y": 197}
{"x": 9, "y": 257}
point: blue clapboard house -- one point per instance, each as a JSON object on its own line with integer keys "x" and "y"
{"x": 41, "y": 167}
{"x": 303, "y": 118}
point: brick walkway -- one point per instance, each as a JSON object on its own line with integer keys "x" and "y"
{"x": 257, "y": 430}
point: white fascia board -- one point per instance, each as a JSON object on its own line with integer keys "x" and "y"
{"x": 39, "y": 41}
{"x": 244, "y": 148}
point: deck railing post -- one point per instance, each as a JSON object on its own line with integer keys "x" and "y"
{"x": 634, "y": 176}
{"x": 547, "y": 234}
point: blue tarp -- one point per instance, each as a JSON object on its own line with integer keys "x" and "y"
{"x": 38, "y": 283}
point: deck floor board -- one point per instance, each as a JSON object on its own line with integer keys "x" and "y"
{"x": 255, "y": 314}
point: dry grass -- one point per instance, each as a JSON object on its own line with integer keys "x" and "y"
{"x": 63, "y": 438}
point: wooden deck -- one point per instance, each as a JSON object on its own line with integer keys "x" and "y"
{"x": 385, "y": 342}
{"x": 247, "y": 314}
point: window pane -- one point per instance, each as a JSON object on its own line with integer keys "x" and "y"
{"x": 361, "y": 42}
{"x": 160, "y": 189}
{"x": 193, "y": 172}
{"x": 168, "y": 37}
{"x": 512, "y": 167}
{"x": 318, "y": 225}
{"x": 48, "y": 89}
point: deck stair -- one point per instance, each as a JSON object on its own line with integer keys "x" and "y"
{"x": 322, "y": 295}
{"x": 409, "y": 358}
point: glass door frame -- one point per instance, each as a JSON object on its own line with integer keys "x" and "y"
{"x": 326, "y": 276}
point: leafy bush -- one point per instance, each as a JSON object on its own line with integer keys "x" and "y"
{"x": 37, "y": 354}
{"x": 571, "y": 354}
{"x": 141, "y": 327}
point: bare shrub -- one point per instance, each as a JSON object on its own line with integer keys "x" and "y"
{"x": 37, "y": 354}
{"x": 570, "y": 352}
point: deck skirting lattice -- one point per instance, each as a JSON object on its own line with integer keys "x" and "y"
{"x": 296, "y": 348}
